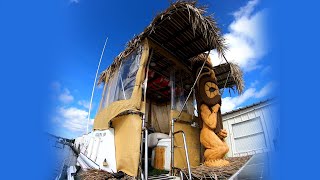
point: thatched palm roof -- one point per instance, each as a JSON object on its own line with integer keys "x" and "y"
{"x": 229, "y": 75}
{"x": 183, "y": 29}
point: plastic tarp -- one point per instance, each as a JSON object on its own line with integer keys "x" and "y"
{"x": 189, "y": 108}
{"x": 127, "y": 140}
{"x": 125, "y": 89}
{"x": 192, "y": 133}
{"x": 181, "y": 96}
{"x": 120, "y": 86}
{"x": 159, "y": 117}
{"x": 193, "y": 143}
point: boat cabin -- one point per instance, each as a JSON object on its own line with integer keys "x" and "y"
{"x": 148, "y": 101}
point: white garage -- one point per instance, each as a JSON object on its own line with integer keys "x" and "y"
{"x": 252, "y": 129}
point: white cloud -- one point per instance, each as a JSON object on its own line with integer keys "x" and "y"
{"x": 85, "y": 104}
{"x": 231, "y": 103}
{"x": 254, "y": 83}
{"x": 69, "y": 115}
{"x": 265, "y": 90}
{"x": 245, "y": 40}
{"x": 66, "y": 97}
{"x": 246, "y": 10}
{"x": 73, "y": 119}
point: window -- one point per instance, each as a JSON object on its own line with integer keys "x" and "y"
{"x": 249, "y": 135}
{"x": 181, "y": 92}
{"x": 120, "y": 86}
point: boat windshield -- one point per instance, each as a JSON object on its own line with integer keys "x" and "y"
{"x": 120, "y": 86}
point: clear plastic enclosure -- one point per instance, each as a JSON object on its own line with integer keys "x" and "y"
{"x": 120, "y": 86}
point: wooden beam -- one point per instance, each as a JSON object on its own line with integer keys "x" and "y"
{"x": 189, "y": 42}
{"x": 177, "y": 34}
{"x": 176, "y": 61}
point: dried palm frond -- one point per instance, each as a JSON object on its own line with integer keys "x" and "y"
{"x": 198, "y": 20}
{"x": 229, "y": 75}
{"x": 236, "y": 74}
{"x": 94, "y": 174}
{"x": 223, "y": 172}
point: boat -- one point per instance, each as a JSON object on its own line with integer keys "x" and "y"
{"x": 148, "y": 116}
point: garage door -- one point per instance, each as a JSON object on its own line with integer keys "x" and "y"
{"x": 249, "y": 136}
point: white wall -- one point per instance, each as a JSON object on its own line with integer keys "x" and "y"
{"x": 252, "y": 130}
{"x": 99, "y": 147}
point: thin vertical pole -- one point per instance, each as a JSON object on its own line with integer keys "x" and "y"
{"x": 172, "y": 83}
{"x": 94, "y": 84}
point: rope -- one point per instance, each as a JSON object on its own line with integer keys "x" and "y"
{"x": 225, "y": 84}
{"x": 119, "y": 73}
{"x": 224, "y": 57}
{"x": 192, "y": 88}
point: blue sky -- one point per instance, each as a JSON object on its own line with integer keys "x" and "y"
{"x": 43, "y": 42}
{"x": 81, "y": 26}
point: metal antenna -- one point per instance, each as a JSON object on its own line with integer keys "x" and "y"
{"x": 94, "y": 84}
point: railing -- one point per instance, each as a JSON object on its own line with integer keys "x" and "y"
{"x": 251, "y": 152}
{"x": 185, "y": 149}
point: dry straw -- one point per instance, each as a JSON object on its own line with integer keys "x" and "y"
{"x": 198, "y": 20}
{"x": 223, "y": 172}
